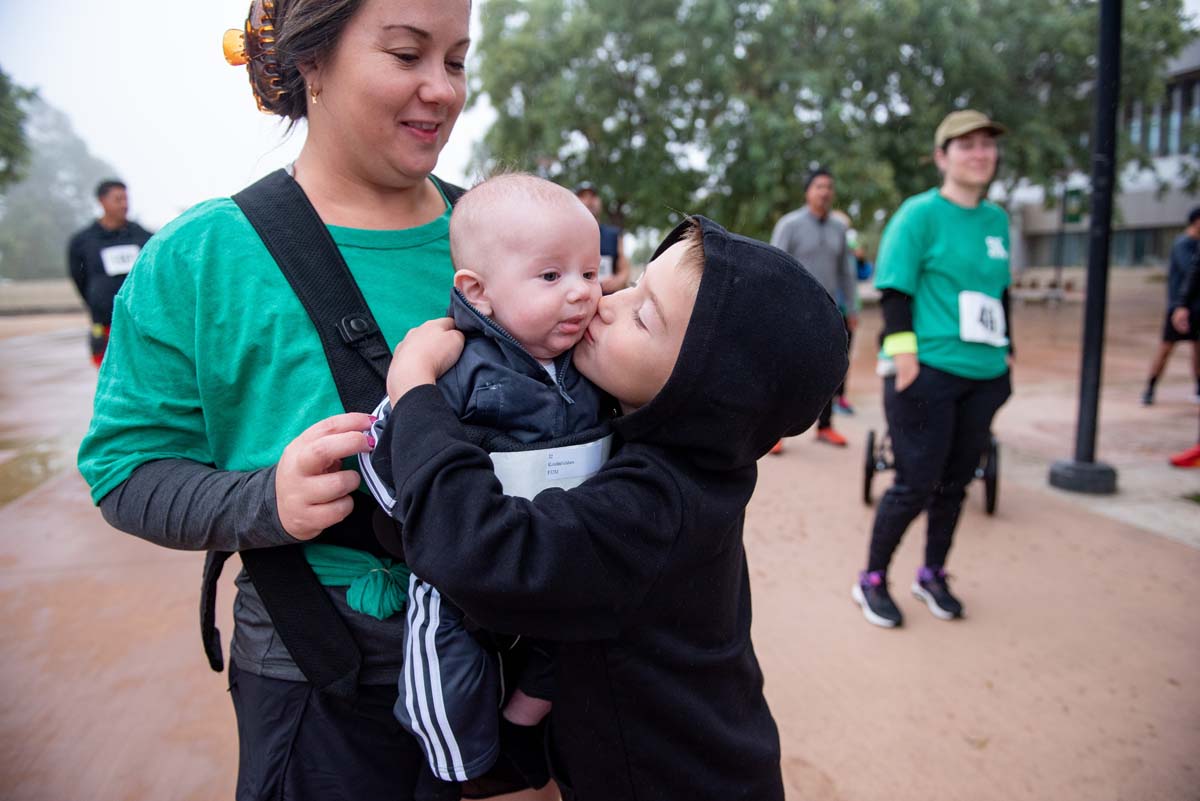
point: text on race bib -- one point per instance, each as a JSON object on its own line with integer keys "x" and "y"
{"x": 119, "y": 259}
{"x": 981, "y": 319}
{"x": 526, "y": 473}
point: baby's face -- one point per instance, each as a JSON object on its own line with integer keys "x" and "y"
{"x": 542, "y": 284}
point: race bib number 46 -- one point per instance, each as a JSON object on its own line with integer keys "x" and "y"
{"x": 981, "y": 319}
{"x": 119, "y": 259}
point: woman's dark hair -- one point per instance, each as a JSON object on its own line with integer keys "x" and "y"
{"x": 306, "y": 32}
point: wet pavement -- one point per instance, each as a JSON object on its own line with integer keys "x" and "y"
{"x": 1075, "y": 676}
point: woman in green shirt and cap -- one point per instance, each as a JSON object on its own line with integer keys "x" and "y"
{"x": 943, "y": 270}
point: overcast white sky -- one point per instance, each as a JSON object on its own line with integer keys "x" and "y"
{"x": 147, "y": 88}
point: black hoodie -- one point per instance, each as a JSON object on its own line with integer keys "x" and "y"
{"x": 640, "y": 572}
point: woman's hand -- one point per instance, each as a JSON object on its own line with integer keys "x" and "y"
{"x": 423, "y": 355}
{"x": 907, "y": 370}
{"x": 312, "y": 491}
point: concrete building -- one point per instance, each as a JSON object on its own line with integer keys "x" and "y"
{"x": 1152, "y": 206}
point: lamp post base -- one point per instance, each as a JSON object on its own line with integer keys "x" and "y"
{"x": 1094, "y": 478}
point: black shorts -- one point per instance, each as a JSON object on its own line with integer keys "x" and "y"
{"x": 1171, "y": 335}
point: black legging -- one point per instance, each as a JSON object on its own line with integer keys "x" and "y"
{"x": 939, "y": 428}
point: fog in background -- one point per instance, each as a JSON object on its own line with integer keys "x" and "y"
{"x": 147, "y": 87}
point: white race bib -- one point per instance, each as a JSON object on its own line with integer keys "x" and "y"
{"x": 524, "y": 474}
{"x": 981, "y": 319}
{"x": 119, "y": 259}
{"x": 606, "y": 267}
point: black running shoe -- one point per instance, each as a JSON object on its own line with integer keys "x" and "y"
{"x": 931, "y": 588}
{"x": 871, "y": 593}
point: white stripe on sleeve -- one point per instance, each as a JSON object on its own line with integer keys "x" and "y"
{"x": 379, "y": 490}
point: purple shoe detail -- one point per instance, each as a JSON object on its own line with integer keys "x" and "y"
{"x": 874, "y": 578}
{"x": 930, "y": 573}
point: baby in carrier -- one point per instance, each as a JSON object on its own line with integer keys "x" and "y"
{"x": 526, "y": 253}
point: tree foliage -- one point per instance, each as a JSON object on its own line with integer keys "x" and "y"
{"x": 720, "y": 107}
{"x": 14, "y": 150}
{"x": 39, "y": 213}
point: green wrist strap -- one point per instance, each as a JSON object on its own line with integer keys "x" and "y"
{"x": 901, "y": 342}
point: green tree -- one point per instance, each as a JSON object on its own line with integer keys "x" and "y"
{"x": 39, "y": 213}
{"x": 14, "y": 150}
{"x": 720, "y": 107}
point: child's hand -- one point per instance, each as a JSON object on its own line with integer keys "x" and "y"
{"x": 423, "y": 355}
{"x": 312, "y": 491}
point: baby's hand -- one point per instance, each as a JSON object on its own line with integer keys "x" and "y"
{"x": 423, "y": 355}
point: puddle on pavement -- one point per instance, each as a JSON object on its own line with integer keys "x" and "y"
{"x": 31, "y": 464}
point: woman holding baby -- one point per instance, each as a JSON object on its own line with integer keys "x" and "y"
{"x": 216, "y": 410}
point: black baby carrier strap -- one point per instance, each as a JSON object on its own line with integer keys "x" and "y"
{"x": 308, "y": 623}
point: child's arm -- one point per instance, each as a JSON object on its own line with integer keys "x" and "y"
{"x": 565, "y": 566}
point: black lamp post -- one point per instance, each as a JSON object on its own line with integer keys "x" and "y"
{"x": 1084, "y": 473}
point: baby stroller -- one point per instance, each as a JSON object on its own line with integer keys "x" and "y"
{"x": 879, "y": 458}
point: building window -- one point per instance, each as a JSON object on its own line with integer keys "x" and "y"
{"x": 1135, "y": 123}
{"x": 1154, "y": 130}
{"x": 1194, "y": 147}
{"x": 1174, "y": 119}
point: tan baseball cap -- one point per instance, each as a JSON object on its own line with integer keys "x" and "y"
{"x": 960, "y": 123}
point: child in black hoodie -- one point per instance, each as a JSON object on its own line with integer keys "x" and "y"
{"x": 723, "y": 347}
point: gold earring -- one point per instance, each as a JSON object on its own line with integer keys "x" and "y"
{"x": 313, "y": 92}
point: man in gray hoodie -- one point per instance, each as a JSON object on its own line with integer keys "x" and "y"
{"x": 818, "y": 241}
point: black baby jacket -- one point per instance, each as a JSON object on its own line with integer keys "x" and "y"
{"x": 498, "y": 384}
{"x": 640, "y": 572}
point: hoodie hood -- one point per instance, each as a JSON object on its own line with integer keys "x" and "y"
{"x": 764, "y": 351}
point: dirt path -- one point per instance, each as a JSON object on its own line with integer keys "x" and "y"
{"x": 1076, "y": 675}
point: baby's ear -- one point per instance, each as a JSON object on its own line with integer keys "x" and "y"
{"x": 470, "y": 284}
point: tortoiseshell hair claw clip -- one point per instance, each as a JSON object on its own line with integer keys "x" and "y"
{"x": 254, "y": 48}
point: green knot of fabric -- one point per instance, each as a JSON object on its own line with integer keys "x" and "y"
{"x": 374, "y": 586}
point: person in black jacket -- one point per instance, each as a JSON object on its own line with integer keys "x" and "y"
{"x": 1183, "y": 253}
{"x": 101, "y": 255}
{"x": 725, "y": 345}
{"x": 1185, "y": 317}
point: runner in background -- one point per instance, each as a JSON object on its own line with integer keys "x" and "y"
{"x": 943, "y": 270}
{"x": 101, "y": 255}
{"x": 817, "y": 239}
{"x": 1183, "y": 253}
{"x": 614, "y": 266}
{"x": 1184, "y": 317}
{"x": 857, "y": 256}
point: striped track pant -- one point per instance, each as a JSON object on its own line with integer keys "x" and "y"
{"x": 450, "y": 688}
